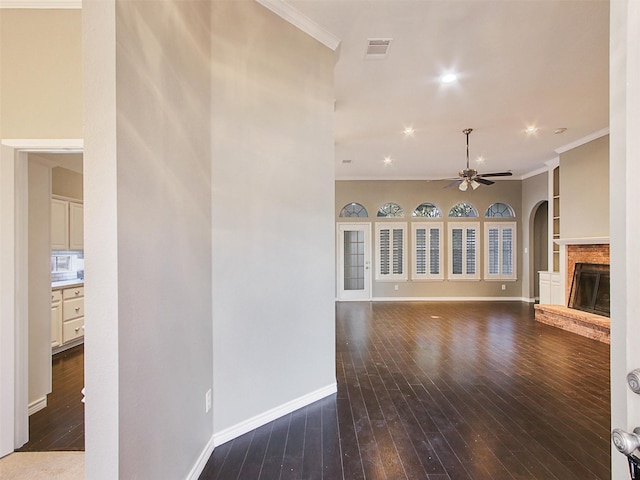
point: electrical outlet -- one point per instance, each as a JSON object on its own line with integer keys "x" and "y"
{"x": 504, "y": 287}
{"x": 207, "y": 401}
{"x": 395, "y": 287}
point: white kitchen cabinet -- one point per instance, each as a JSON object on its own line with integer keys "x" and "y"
{"x": 67, "y": 225}
{"x": 59, "y": 224}
{"x": 56, "y": 318}
{"x": 69, "y": 318}
{"x": 76, "y": 226}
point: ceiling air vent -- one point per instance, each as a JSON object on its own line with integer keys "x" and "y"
{"x": 378, "y": 47}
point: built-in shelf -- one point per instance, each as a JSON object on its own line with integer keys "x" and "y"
{"x": 556, "y": 218}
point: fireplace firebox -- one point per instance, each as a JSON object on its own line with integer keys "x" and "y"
{"x": 590, "y": 289}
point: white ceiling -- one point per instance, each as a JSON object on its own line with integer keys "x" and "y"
{"x": 519, "y": 63}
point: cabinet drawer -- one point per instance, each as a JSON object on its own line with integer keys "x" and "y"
{"x": 56, "y": 296}
{"x": 73, "y": 292}
{"x": 72, "y": 308}
{"x": 72, "y": 329}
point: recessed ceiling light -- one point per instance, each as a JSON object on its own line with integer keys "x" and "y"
{"x": 408, "y": 131}
{"x": 531, "y": 130}
{"x": 558, "y": 131}
{"x": 480, "y": 159}
{"x": 449, "y": 78}
{"x": 346, "y": 161}
{"x": 387, "y": 160}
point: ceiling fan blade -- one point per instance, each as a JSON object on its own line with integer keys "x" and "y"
{"x": 455, "y": 182}
{"x": 496, "y": 174}
{"x": 484, "y": 181}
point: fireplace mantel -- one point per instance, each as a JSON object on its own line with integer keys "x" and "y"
{"x": 583, "y": 241}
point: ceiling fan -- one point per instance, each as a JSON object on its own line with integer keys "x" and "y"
{"x": 470, "y": 176}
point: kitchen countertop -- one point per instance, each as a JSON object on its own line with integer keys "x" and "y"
{"x": 76, "y": 282}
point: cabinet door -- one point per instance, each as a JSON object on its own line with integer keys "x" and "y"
{"x": 76, "y": 226}
{"x": 59, "y": 225}
{"x": 56, "y": 318}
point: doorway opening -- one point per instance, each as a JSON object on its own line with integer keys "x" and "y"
{"x": 540, "y": 245}
{"x": 56, "y": 285}
{"x": 14, "y": 276}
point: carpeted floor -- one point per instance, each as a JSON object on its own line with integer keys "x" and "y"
{"x": 43, "y": 465}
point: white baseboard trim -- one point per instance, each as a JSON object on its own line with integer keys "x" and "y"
{"x": 67, "y": 346}
{"x": 198, "y": 467}
{"x": 448, "y": 299}
{"x": 37, "y": 405}
{"x": 255, "y": 422}
{"x": 269, "y": 416}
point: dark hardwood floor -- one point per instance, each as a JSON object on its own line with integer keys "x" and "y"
{"x": 60, "y": 425}
{"x": 442, "y": 391}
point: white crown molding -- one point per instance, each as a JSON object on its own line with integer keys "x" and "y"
{"x": 534, "y": 173}
{"x": 51, "y": 4}
{"x": 304, "y": 23}
{"x": 553, "y": 163}
{"x": 582, "y": 141}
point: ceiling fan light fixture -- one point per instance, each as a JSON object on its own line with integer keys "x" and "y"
{"x": 449, "y": 78}
{"x": 470, "y": 176}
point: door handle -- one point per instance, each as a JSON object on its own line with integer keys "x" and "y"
{"x": 633, "y": 379}
{"x": 626, "y": 442}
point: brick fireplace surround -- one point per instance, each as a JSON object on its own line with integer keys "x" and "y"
{"x": 583, "y": 323}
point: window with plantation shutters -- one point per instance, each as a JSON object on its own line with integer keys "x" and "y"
{"x": 427, "y": 251}
{"x": 391, "y": 248}
{"x": 500, "y": 251}
{"x": 463, "y": 251}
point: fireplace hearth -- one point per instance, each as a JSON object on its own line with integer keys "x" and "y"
{"x": 590, "y": 289}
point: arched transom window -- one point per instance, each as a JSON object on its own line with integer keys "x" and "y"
{"x": 354, "y": 210}
{"x": 463, "y": 209}
{"x": 391, "y": 210}
{"x": 427, "y": 210}
{"x": 500, "y": 210}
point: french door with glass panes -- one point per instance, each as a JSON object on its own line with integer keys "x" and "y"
{"x": 354, "y": 261}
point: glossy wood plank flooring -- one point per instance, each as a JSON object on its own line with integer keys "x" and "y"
{"x": 60, "y": 425}
{"x": 442, "y": 391}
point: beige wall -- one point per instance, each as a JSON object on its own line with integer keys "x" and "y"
{"x": 584, "y": 190}
{"x": 411, "y": 193}
{"x": 535, "y": 190}
{"x": 40, "y": 73}
{"x": 273, "y": 241}
{"x": 66, "y": 183}
{"x": 164, "y": 234}
{"x": 197, "y": 116}
{"x": 39, "y": 280}
{"x": 147, "y": 166}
